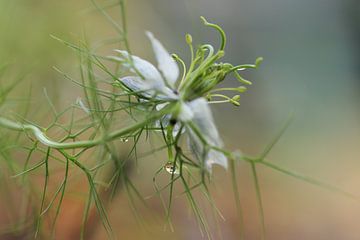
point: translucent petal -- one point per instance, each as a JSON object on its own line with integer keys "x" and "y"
{"x": 186, "y": 113}
{"x": 216, "y": 157}
{"x": 146, "y": 69}
{"x": 203, "y": 120}
{"x": 165, "y": 121}
{"x": 161, "y": 106}
{"x": 166, "y": 93}
{"x": 210, "y": 157}
{"x": 137, "y": 84}
{"x": 166, "y": 64}
{"x": 147, "y": 90}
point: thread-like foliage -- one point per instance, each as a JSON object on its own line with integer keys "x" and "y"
{"x": 112, "y": 112}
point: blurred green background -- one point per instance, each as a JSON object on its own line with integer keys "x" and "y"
{"x": 311, "y": 69}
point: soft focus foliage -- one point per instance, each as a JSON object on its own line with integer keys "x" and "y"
{"x": 311, "y": 70}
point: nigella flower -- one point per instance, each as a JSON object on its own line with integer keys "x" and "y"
{"x": 160, "y": 84}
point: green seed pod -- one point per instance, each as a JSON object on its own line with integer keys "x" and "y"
{"x": 188, "y": 38}
{"x": 241, "y": 89}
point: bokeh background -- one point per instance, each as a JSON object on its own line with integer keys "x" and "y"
{"x": 311, "y": 69}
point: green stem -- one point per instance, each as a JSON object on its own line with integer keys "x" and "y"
{"x": 41, "y": 137}
{"x": 218, "y": 28}
{"x": 237, "y": 199}
{"x": 259, "y": 200}
{"x": 310, "y": 180}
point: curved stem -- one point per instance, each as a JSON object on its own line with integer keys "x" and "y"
{"x": 245, "y": 66}
{"x": 218, "y": 28}
{"x": 41, "y": 136}
{"x": 177, "y": 58}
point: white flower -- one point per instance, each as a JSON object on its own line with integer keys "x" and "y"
{"x": 159, "y": 83}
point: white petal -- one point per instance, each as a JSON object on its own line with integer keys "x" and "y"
{"x": 161, "y": 106}
{"x": 137, "y": 84}
{"x": 166, "y": 93}
{"x": 216, "y": 157}
{"x": 166, "y": 64}
{"x": 146, "y": 69}
{"x": 165, "y": 121}
{"x": 203, "y": 120}
{"x": 147, "y": 90}
{"x": 211, "y": 157}
{"x": 186, "y": 113}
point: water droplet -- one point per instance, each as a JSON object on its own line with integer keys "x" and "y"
{"x": 171, "y": 168}
{"x": 124, "y": 139}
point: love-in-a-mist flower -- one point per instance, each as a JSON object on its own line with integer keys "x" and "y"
{"x": 189, "y": 95}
